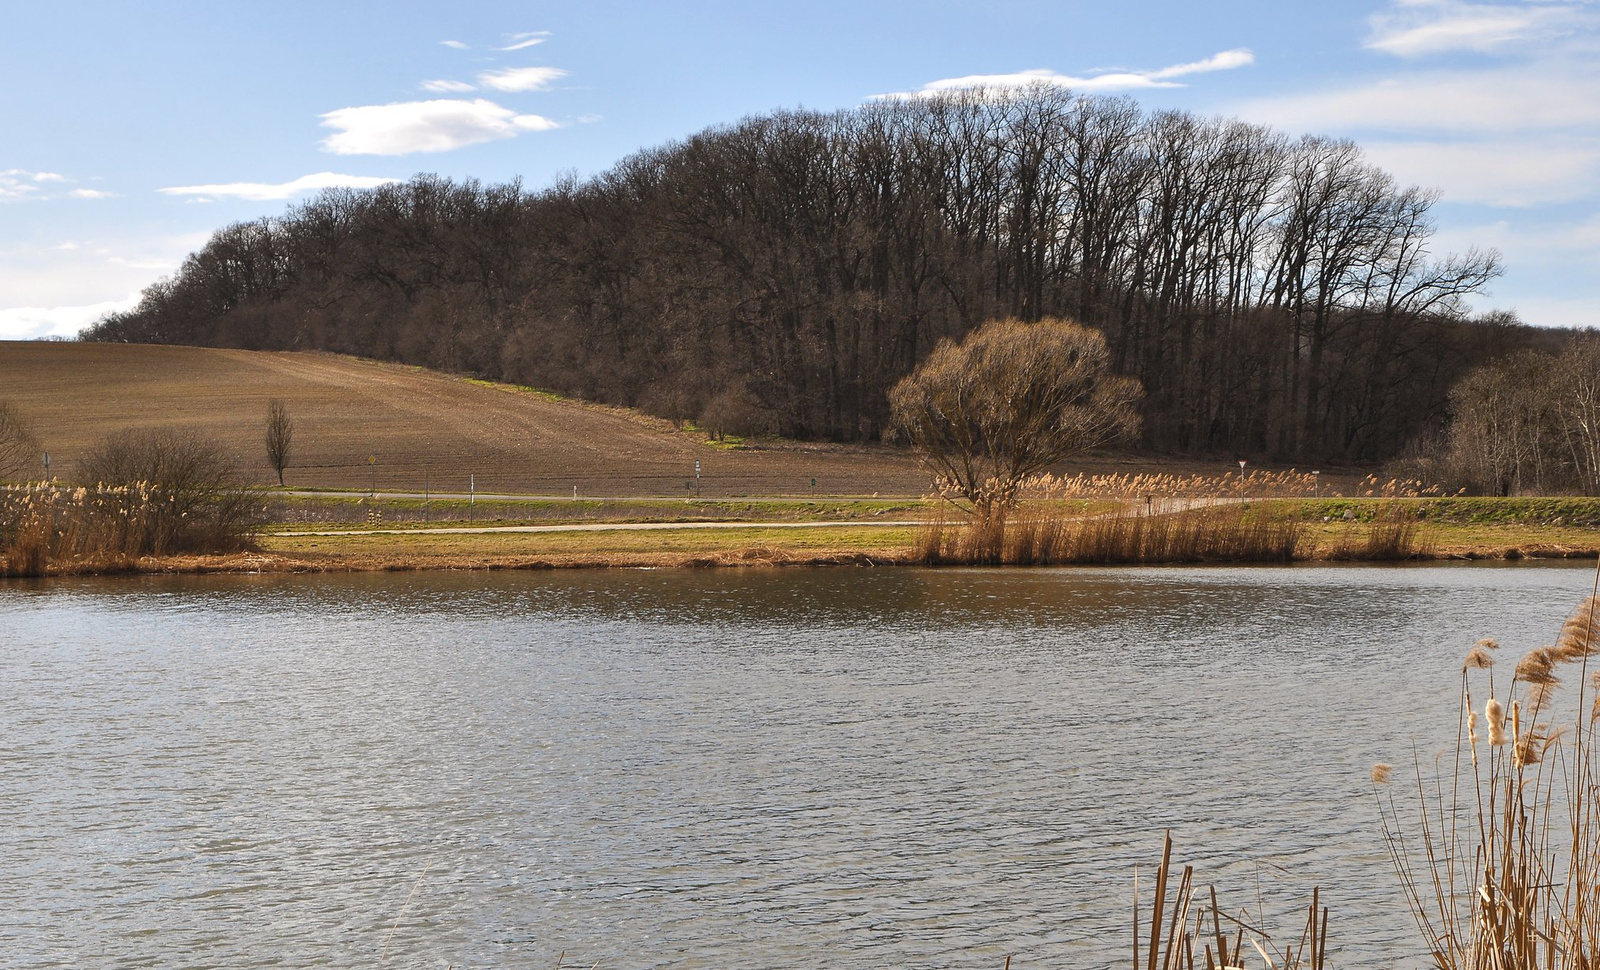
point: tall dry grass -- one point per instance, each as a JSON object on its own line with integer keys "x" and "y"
{"x": 1133, "y": 519}
{"x": 1188, "y": 929}
{"x": 48, "y": 528}
{"x": 1107, "y": 519}
{"x": 1498, "y": 848}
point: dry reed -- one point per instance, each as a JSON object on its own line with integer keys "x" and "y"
{"x": 1151, "y": 519}
{"x": 1189, "y": 930}
{"x": 1499, "y": 846}
{"x": 48, "y": 528}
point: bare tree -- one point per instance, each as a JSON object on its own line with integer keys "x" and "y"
{"x": 280, "y": 436}
{"x": 1009, "y": 401}
{"x": 187, "y": 487}
{"x": 19, "y": 448}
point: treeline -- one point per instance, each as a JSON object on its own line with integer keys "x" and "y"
{"x": 1274, "y": 295}
{"x": 1527, "y": 424}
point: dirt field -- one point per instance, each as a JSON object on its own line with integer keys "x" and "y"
{"x": 433, "y": 430}
{"x": 422, "y": 427}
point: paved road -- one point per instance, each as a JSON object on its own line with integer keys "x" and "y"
{"x": 598, "y": 527}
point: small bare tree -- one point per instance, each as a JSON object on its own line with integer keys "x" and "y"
{"x": 280, "y": 436}
{"x": 1008, "y": 402}
{"x": 19, "y": 448}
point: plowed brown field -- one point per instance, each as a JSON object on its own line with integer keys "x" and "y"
{"x": 423, "y": 428}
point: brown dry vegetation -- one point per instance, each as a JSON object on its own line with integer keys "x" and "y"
{"x": 423, "y": 427}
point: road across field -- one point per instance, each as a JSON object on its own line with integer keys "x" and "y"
{"x": 596, "y": 527}
{"x": 611, "y": 499}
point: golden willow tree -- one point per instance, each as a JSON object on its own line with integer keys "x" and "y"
{"x": 1008, "y": 402}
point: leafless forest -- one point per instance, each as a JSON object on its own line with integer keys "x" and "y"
{"x": 1275, "y": 296}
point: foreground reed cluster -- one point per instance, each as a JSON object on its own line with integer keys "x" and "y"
{"x": 1499, "y": 847}
{"x": 1189, "y": 930}
{"x": 45, "y": 527}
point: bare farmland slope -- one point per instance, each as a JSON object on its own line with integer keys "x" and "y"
{"x": 420, "y": 426}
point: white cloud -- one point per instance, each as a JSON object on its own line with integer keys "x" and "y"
{"x": 448, "y": 87}
{"x": 266, "y": 191}
{"x": 1516, "y": 126}
{"x": 55, "y": 290}
{"x": 455, "y": 44}
{"x": 1494, "y": 172}
{"x": 16, "y": 185}
{"x": 521, "y": 78}
{"x": 1093, "y": 83}
{"x": 1556, "y": 95}
{"x": 32, "y": 323}
{"x": 424, "y": 126}
{"x": 517, "y": 42}
{"x": 1416, "y": 28}
{"x": 1221, "y": 61}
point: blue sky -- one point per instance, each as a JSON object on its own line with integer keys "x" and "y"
{"x": 131, "y": 131}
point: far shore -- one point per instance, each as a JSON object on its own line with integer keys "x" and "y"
{"x": 390, "y": 556}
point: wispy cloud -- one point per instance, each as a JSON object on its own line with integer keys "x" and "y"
{"x": 424, "y": 126}
{"x": 1222, "y": 61}
{"x": 1550, "y": 171}
{"x": 18, "y": 185}
{"x": 455, "y": 44}
{"x": 1559, "y": 94}
{"x": 517, "y": 42}
{"x": 270, "y": 191}
{"x": 1089, "y": 83}
{"x": 1510, "y": 124}
{"x": 448, "y": 87}
{"x": 1417, "y": 28}
{"x": 521, "y": 78}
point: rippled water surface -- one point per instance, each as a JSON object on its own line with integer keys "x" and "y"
{"x": 722, "y": 768}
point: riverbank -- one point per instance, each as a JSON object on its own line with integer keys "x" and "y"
{"x": 755, "y": 546}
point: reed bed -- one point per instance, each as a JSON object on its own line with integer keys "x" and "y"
{"x": 1134, "y": 519}
{"x": 45, "y": 528}
{"x": 1116, "y": 519}
{"x": 1498, "y": 847}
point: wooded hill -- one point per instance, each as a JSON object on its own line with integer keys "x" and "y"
{"x": 1275, "y": 296}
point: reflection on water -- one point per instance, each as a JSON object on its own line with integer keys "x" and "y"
{"x": 763, "y": 768}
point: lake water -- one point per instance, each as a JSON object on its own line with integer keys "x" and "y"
{"x": 719, "y": 768}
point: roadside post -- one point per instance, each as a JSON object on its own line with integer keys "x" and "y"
{"x": 697, "y": 478}
{"x": 47, "y": 466}
{"x": 813, "y": 488}
{"x": 1241, "y": 479}
{"x": 1316, "y": 487}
